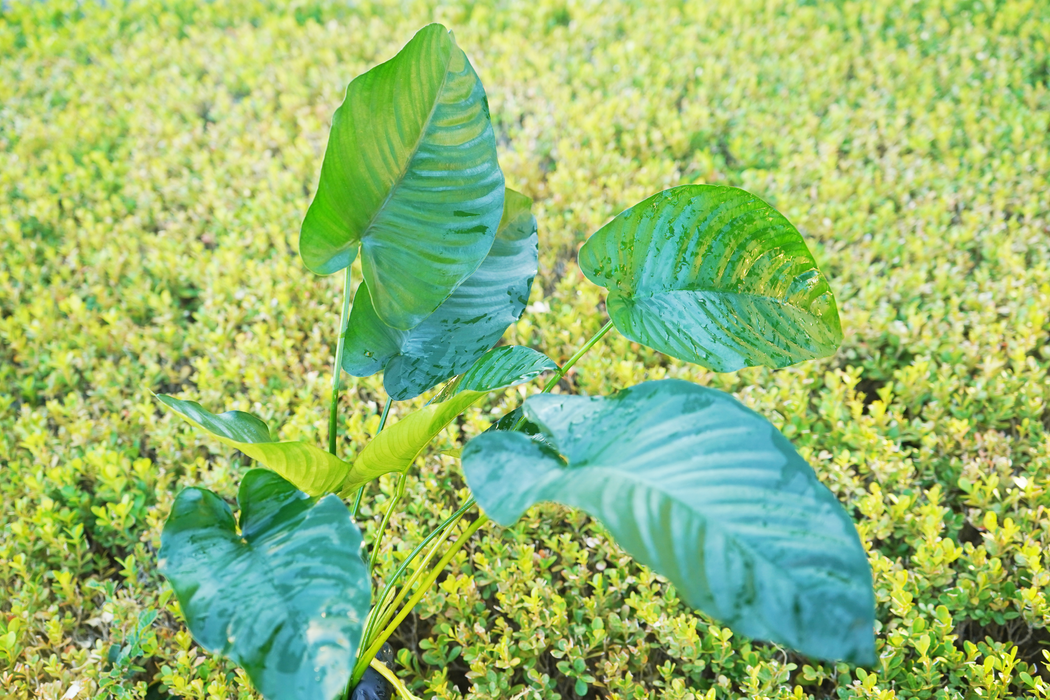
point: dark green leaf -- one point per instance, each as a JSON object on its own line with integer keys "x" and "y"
{"x": 706, "y": 492}
{"x": 466, "y": 325}
{"x": 713, "y": 275}
{"x": 397, "y": 446}
{"x": 285, "y": 598}
{"x": 410, "y": 174}
{"x": 310, "y": 468}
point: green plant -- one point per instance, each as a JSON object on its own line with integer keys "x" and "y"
{"x": 689, "y": 481}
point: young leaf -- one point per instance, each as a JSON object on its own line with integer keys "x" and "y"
{"x": 410, "y": 175}
{"x": 706, "y": 492}
{"x": 713, "y": 275}
{"x": 463, "y": 328}
{"x": 310, "y": 468}
{"x": 397, "y": 447}
{"x": 285, "y": 598}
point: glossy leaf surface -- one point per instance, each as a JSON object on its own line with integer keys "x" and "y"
{"x": 713, "y": 275}
{"x": 285, "y": 597}
{"x": 308, "y": 467}
{"x": 463, "y": 328}
{"x": 397, "y": 447}
{"x": 706, "y": 492}
{"x": 410, "y": 175}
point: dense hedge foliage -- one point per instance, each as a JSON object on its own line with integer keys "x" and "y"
{"x": 156, "y": 159}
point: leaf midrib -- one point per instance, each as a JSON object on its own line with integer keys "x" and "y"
{"x": 634, "y": 296}
{"x": 415, "y": 148}
{"x": 602, "y": 470}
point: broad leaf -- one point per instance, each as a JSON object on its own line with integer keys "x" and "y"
{"x": 310, "y": 468}
{"x": 397, "y": 447}
{"x": 463, "y": 328}
{"x": 713, "y": 275}
{"x": 706, "y": 492}
{"x": 409, "y": 175}
{"x": 285, "y": 597}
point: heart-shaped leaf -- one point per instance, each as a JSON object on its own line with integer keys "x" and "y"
{"x": 713, "y": 275}
{"x": 706, "y": 492}
{"x": 410, "y": 174}
{"x": 285, "y": 597}
{"x": 463, "y": 328}
{"x": 309, "y": 468}
{"x": 397, "y": 447}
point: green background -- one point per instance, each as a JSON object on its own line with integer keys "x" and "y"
{"x": 156, "y": 161}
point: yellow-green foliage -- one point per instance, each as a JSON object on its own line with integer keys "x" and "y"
{"x": 156, "y": 160}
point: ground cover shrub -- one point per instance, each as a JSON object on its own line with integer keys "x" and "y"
{"x": 154, "y": 174}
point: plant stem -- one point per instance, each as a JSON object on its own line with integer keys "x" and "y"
{"x": 359, "y": 668}
{"x": 568, "y": 365}
{"x": 337, "y": 371}
{"x": 384, "y": 608}
{"x": 399, "y": 491}
{"x": 575, "y": 358}
{"x": 361, "y": 491}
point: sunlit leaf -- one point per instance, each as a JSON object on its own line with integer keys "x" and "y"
{"x": 309, "y": 468}
{"x": 706, "y": 492}
{"x": 283, "y": 593}
{"x": 463, "y": 328}
{"x": 713, "y": 275}
{"x": 397, "y": 447}
{"x": 410, "y": 175}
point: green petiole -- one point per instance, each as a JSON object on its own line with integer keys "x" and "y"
{"x": 440, "y": 534}
{"x": 568, "y": 365}
{"x": 384, "y": 608}
{"x": 365, "y": 659}
{"x": 575, "y": 358}
{"x": 361, "y": 491}
{"x": 399, "y": 491}
{"x": 337, "y": 371}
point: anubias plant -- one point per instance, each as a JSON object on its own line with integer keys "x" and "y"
{"x": 688, "y": 480}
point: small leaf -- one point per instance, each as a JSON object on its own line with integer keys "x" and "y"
{"x": 713, "y": 275}
{"x": 397, "y": 447}
{"x": 504, "y": 367}
{"x": 706, "y": 492}
{"x": 285, "y": 598}
{"x": 463, "y": 328}
{"x": 410, "y": 175}
{"x": 309, "y": 468}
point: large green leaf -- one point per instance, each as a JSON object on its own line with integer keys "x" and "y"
{"x": 466, "y": 325}
{"x": 310, "y": 468}
{"x": 285, "y": 597}
{"x": 706, "y": 492}
{"x": 713, "y": 275}
{"x": 410, "y": 175}
{"x": 397, "y": 447}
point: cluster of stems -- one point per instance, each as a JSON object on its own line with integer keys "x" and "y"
{"x": 382, "y": 620}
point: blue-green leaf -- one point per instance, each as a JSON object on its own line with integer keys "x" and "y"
{"x": 285, "y": 597}
{"x": 410, "y": 175}
{"x": 713, "y": 275}
{"x": 463, "y": 328}
{"x": 706, "y": 492}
